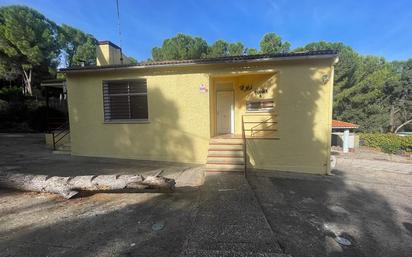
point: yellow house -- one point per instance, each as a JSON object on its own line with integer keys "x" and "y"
{"x": 202, "y": 111}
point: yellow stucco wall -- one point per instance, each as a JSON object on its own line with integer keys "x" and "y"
{"x": 182, "y": 119}
{"x": 178, "y": 127}
{"x": 304, "y": 111}
{"x": 109, "y": 55}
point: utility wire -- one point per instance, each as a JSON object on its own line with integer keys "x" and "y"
{"x": 119, "y": 31}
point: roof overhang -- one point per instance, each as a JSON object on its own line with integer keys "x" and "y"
{"x": 344, "y": 127}
{"x": 338, "y": 124}
{"x": 57, "y": 83}
{"x": 318, "y": 55}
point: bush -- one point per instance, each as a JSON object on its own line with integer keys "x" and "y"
{"x": 4, "y": 109}
{"x": 4, "y": 106}
{"x": 26, "y": 116}
{"x": 11, "y": 93}
{"x": 388, "y": 143}
{"x": 38, "y": 118}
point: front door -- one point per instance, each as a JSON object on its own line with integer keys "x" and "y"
{"x": 224, "y": 112}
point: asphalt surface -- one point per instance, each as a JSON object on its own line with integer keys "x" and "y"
{"x": 213, "y": 216}
{"x": 368, "y": 202}
{"x": 230, "y": 222}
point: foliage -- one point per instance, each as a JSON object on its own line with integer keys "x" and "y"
{"x": 27, "y": 116}
{"x": 10, "y": 93}
{"x": 388, "y": 143}
{"x": 180, "y": 47}
{"x": 368, "y": 90}
{"x": 235, "y": 49}
{"x": 28, "y": 42}
{"x": 251, "y": 51}
{"x": 4, "y": 106}
{"x": 218, "y": 49}
{"x": 183, "y": 46}
{"x": 272, "y": 43}
{"x": 38, "y": 117}
{"x": 76, "y": 46}
{"x": 32, "y": 47}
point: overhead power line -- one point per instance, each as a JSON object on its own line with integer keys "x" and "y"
{"x": 119, "y": 31}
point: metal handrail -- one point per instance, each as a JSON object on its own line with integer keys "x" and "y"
{"x": 258, "y": 123}
{"x": 256, "y": 130}
{"x": 59, "y": 133}
{"x": 244, "y": 147}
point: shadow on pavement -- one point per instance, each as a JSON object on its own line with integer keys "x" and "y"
{"x": 308, "y": 212}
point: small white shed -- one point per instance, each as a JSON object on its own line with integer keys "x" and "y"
{"x": 343, "y": 135}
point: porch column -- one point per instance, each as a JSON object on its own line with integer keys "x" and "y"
{"x": 346, "y": 141}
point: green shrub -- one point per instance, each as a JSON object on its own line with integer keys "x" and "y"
{"x": 388, "y": 143}
{"x": 11, "y": 93}
{"x": 38, "y": 117}
{"x": 4, "y": 106}
{"x": 391, "y": 148}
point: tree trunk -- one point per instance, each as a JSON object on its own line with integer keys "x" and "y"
{"x": 403, "y": 124}
{"x": 71, "y": 186}
{"x": 392, "y": 114}
{"x": 392, "y": 119}
{"x": 27, "y": 82}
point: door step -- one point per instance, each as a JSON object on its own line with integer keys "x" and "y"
{"x": 225, "y": 154}
{"x": 63, "y": 149}
{"x": 224, "y": 167}
{"x": 225, "y": 160}
{"x": 226, "y": 140}
{"x": 238, "y": 147}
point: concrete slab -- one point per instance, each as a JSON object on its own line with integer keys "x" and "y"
{"x": 367, "y": 202}
{"x": 229, "y": 221}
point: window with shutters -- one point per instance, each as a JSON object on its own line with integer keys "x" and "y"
{"x": 125, "y": 100}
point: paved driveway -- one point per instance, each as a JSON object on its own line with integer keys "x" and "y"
{"x": 368, "y": 202}
{"x": 210, "y": 219}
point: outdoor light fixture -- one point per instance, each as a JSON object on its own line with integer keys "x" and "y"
{"x": 325, "y": 78}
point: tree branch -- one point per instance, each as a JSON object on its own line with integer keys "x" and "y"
{"x": 403, "y": 124}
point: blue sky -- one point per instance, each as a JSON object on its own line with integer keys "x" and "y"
{"x": 371, "y": 27}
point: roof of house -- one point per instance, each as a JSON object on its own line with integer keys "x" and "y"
{"x": 342, "y": 124}
{"x": 53, "y": 83}
{"x": 106, "y": 42}
{"x": 218, "y": 60}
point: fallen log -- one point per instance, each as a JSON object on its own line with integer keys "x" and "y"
{"x": 68, "y": 187}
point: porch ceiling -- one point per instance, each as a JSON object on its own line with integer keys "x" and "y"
{"x": 242, "y": 73}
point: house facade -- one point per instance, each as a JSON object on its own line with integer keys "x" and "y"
{"x": 280, "y": 105}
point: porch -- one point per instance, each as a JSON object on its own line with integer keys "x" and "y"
{"x": 242, "y": 107}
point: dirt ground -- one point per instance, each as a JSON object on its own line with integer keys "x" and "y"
{"x": 34, "y": 224}
{"x": 366, "y": 201}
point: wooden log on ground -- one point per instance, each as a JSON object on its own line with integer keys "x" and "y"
{"x": 68, "y": 187}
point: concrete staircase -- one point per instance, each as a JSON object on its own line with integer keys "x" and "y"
{"x": 225, "y": 154}
{"x": 63, "y": 149}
